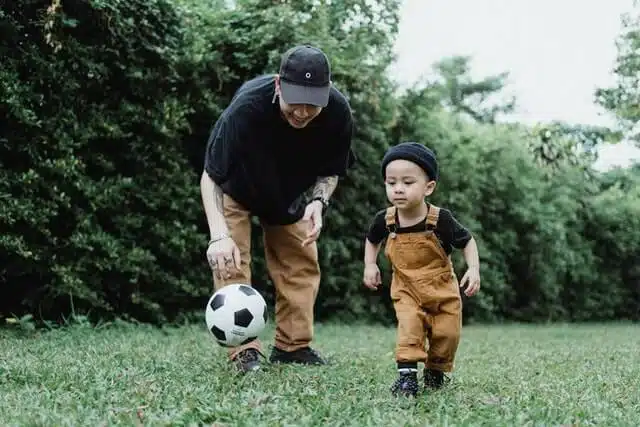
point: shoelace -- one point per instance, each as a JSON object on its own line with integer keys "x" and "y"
{"x": 248, "y": 356}
{"x": 407, "y": 382}
{"x": 437, "y": 380}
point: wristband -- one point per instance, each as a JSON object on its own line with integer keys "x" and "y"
{"x": 325, "y": 202}
{"x": 217, "y": 239}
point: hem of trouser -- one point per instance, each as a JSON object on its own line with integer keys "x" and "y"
{"x": 290, "y": 347}
{"x": 255, "y": 344}
{"x": 444, "y": 367}
{"x": 411, "y": 354}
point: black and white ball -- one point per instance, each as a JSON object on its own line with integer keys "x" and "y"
{"x": 236, "y": 314}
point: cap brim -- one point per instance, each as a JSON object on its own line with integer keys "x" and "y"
{"x": 296, "y": 94}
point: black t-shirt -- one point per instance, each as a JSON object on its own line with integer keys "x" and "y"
{"x": 449, "y": 231}
{"x": 266, "y": 165}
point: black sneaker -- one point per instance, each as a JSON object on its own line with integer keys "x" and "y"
{"x": 305, "y": 356}
{"x": 435, "y": 379}
{"x": 406, "y": 385}
{"x": 247, "y": 360}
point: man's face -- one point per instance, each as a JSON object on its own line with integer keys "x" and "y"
{"x": 297, "y": 115}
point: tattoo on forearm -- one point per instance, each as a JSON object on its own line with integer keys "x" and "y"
{"x": 325, "y": 186}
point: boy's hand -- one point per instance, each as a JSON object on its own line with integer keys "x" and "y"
{"x": 472, "y": 279}
{"x": 372, "y": 278}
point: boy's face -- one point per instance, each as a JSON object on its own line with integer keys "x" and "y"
{"x": 407, "y": 184}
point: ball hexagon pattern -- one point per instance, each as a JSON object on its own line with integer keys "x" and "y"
{"x": 236, "y": 314}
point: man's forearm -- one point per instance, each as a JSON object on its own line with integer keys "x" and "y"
{"x": 212, "y": 199}
{"x": 325, "y": 186}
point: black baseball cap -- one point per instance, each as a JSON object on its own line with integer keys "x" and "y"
{"x": 305, "y": 76}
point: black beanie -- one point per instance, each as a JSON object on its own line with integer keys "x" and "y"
{"x": 413, "y": 152}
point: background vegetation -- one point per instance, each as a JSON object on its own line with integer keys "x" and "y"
{"x": 105, "y": 109}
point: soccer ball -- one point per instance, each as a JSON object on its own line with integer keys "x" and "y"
{"x": 236, "y": 314}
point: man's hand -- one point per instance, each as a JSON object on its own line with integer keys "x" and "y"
{"x": 223, "y": 255}
{"x": 372, "y": 278}
{"x": 313, "y": 214}
{"x": 472, "y": 279}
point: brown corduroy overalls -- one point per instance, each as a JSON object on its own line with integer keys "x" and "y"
{"x": 425, "y": 295}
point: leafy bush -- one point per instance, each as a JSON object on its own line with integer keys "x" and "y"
{"x": 107, "y": 106}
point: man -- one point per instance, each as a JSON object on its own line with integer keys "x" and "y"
{"x": 280, "y": 136}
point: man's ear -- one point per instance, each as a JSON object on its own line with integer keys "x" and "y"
{"x": 277, "y": 84}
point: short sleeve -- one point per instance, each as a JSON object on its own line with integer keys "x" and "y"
{"x": 451, "y": 231}
{"x": 225, "y": 141}
{"x": 377, "y": 231}
{"x": 343, "y": 158}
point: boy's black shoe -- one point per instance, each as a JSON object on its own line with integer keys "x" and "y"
{"x": 247, "y": 360}
{"x": 406, "y": 385}
{"x": 305, "y": 356}
{"x": 435, "y": 379}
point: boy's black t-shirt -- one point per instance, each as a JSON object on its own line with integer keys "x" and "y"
{"x": 266, "y": 165}
{"x": 449, "y": 231}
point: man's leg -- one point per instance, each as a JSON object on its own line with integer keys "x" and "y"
{"x": 295, "y": 272}
{"x": 239, "y": 224}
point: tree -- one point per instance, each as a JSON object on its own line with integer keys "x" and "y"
{"x": 623, "y": 100}
{"x": 461, "y": 93}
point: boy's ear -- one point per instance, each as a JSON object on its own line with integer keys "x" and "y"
{"x": 431, "y": 186}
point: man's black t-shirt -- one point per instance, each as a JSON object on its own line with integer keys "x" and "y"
{"x": 449, "y": 231}
{"x": 266, "y": 165}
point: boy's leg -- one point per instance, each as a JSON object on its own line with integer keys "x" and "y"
{"x": 295, "y": 272}
{"x": 410, "y": 342}
{"x": 239, "y": 224}
{"x": 444, "y": 340}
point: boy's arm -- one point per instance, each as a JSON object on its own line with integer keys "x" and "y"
{"x": 470, "y": 253}
{"x": 471, "y": 279}
{"x": 371, "y": 277}
{"x": 376, "y": 233}
{"x": 371, "y": 251}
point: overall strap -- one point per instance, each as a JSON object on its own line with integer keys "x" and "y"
{"x": 390, "y": 216}
{"x": 390, "y": 220}
{"x": 432, "y": 216}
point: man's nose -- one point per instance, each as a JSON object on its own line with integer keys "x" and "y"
{"x": 301, "y": 112}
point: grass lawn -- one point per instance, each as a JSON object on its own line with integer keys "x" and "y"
{"x": 134, "y": 375}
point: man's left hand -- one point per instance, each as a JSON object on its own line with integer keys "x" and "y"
{"x": 313, "y": 214}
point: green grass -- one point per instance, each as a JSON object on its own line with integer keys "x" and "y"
{"x": 133, "y": 375}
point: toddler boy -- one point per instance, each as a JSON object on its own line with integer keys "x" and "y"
{"x": 420, "y": 238}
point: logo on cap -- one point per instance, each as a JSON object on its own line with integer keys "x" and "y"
{"x": 305, "y": 76}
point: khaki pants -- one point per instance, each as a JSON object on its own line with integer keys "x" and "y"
{"x": 293, "y": 268}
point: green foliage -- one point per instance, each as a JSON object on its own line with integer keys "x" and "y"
{"x": 460, "y": 93}
{"x": 613, "y": 228}
{"x": 99, "y": 207}
{"x": 623, "y": 99}
{"x": 107, "y": 107}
